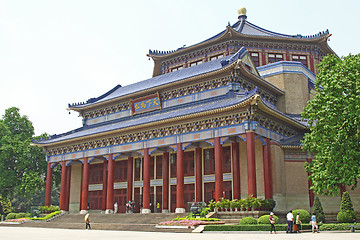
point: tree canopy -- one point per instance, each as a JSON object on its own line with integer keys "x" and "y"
{"x": 22, "y": 166}
{"x": 334, "y": 119}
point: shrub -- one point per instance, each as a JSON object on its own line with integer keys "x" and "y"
{"x": 199, "y": 219}
{"x": 11, "y": 216}
{"x": 265, "y": 219}
{"x": 257, "y": 227}
{"x": 248, "y": 221}
{"x": 47, "y": 216}
{"x": 252, "y": 202}
{"x": 334, "y": 227}
{"x": 268, "y": 204}
{"x": 48, "y": 209}
{"x": 5, "y": 206}
{"x": 346, "y": 204}
{"x": 212, "y": 205}
{"x": 20, "y": 215}
{"x": 346, "y": 217}
{"x": 317, "y": 208}
{"x": 347, "y": 213}
{"x": 204, "y": 211}
{"x": 304, "y": 215}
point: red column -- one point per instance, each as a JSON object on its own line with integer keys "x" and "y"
{"x": 110, "y": 184}
{"x": 312, "y": 65}
{"x": 104, "y": 191}
{"x": 311, "y": 193}
{"x": 85, "y": 185}
{"x": 146, "y": 181}
{"x": 198, "y": 174}
{"x": 267, "y": 170}
{"x": 218, "y": 170}
{"x": 165, "y": 175}
{"x": 48, "y": 185}
{"x": 63, "y": 187}
{"x": 68, "y": 181}
{"x": 236, "y": 169}
{"x": 129, "y": 179}
{"x": 251, "y": 168}
{"x": 179, "y": 178}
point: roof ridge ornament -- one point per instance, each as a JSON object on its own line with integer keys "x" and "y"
{"x": 242, "y": 13}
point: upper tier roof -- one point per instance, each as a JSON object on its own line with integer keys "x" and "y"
{"x": 185, "y": 73}
{"x": 246, "y": 28}
{"x": 160, "y": 80}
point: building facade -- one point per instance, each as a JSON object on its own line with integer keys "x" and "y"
{"x": 218, "y": 119}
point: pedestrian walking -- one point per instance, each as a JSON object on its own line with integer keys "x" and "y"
{"x": 272, "y": 222}
{"x": 290, "y": 221}
{"x": 298, "y": 222}
{"x": 87, "y": 221}
{"x": 116, "y": 207}
{"x": 132, "y": 206}
{"x": 127, "y": 207}
{"x": 314, "y": 223}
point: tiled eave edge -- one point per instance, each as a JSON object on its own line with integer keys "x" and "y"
{"x": 253, "y": 100}
{"x": 156, "y": 123}
{"x": 158, "y": 88}
{"x": 230, "y": 32}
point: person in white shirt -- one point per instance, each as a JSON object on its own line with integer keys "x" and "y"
{"x": 290, "y": 220}
{"x": 115, "y": 207}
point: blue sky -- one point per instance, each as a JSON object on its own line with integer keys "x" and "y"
{"x": 57, "y": 52}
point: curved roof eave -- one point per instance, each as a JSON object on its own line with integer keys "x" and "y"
{"x": 154, "y": 89}
{"x": 253, "y": 99}
{"x": 224, "y": 34}
{"x": 259, "y": 80}
{"x": 265, "y": 108}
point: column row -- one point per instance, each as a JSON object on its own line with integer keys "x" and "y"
{"x": 108, "y": 177}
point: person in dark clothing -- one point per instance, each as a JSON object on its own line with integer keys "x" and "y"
{"x": 272, "y": 222}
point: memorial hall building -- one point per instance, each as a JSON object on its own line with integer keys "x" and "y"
{"x": 218, "y": 119}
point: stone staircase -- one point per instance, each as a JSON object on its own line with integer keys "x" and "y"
{"x": 121, "y": 222}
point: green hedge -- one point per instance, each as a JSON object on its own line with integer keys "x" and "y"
{"x": 11, "y": 216}
{"x": 47, "y": 216}
{"x": 20, "y": 215}
{"x": 257, "y": 227}
{"x": 48, "y": 209}
{"x": 199, "y": 219}
{"x": 346, "y": 217}
{"x": 248, "y": 221}
{"x": 336, "y": 226}
{"x": 304, "y": 215}
{"x": 265, "y": 219}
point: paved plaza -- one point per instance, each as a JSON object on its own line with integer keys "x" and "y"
{"x": 10, "y": 233}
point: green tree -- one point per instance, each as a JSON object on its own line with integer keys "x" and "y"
{"x": 318, "y": 209}
{"x": 22, "y": 166}
{"x": 5, "y": 206}
{"x": 347, "y": 213}
{"x": 346, "y": 203}
{"x": 334, "y": 120}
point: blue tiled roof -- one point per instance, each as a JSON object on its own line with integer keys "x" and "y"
{"x": 293, "y": 141}
{"x": 159, "y": 80}
{"x": 247, "y": 28}
{"x": 81, "y": 132}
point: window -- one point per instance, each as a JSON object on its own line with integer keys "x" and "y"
{"x": 216, "y": 57}
{"x": 195, "y": 63}
{"x": 176, "y": 68}
{"x": 209, "y": 161}
{"x": 255, "y": 58}
{"x": 300, "y": 58}
{"x": 272, "y": 57}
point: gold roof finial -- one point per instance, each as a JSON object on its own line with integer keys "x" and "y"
{"x": 242, "y": 11}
